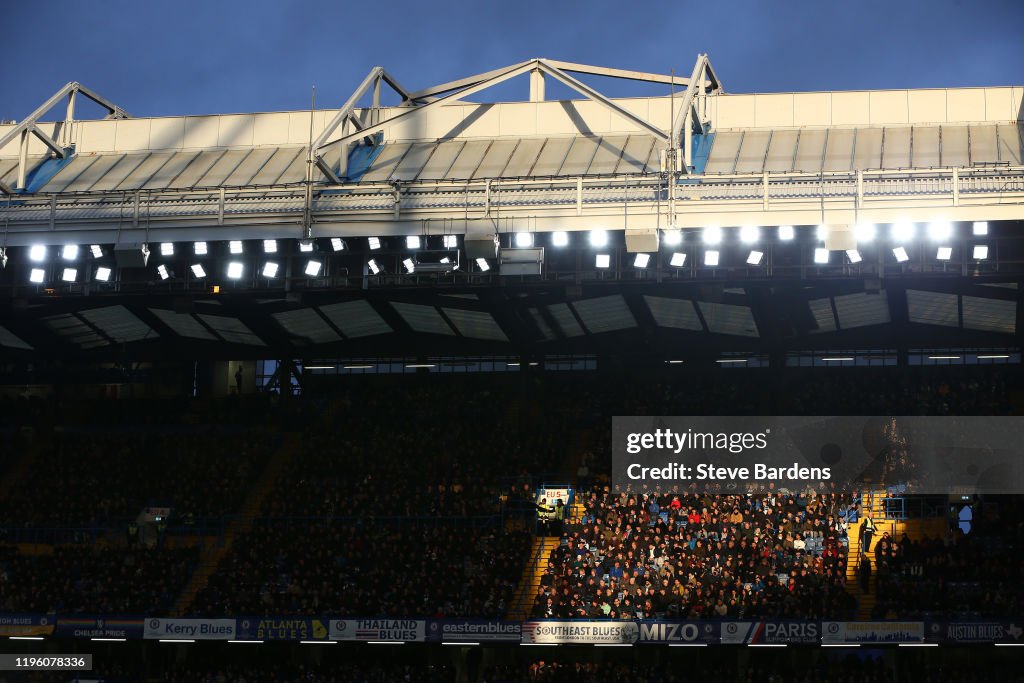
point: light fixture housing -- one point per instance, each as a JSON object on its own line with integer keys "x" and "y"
{"x": 853, "y": 255}
{"x": 678, "y": 259}
{"x": 37, "y": 275}
{"x": 69, "y": 252}
{"x": 711, "y": 257}
{"x": 980, "y": 228}
{"x": 235, "y": 247}
{"x": 786, "y": 232}
{"x": 37, "y": 253}
{"x": 672, "y": 236}
{"x": 413, "y": 242}
{"x": 603, "y": 260}
{"x": 373, "y": 243}
{"x": 820, "y": 255}
{"x": 269, "y": 246}
{"x": 641, "y": 260}
{"x": 306, "y": 246}
{"x": 313, "y": 268}
{"x": 338, "y": 244}
{"x": 483, "y": 265}
{"x": 749, "y": 234}
{"x": 901, "y": 254}
{"x": 69, "y": 275}
{"x": 712, "y": 235}
{"x": 598, "y": 238}
{"x": 200, "y": 248}
{"x": 198, "y": 270}
{"x": 560, "y": 238}
{"x": 944, "y": 253}
{"x": 980, "y": 252}
{"x": 167, "y": 248}
{"x": 270, "y": 269}
{"x": 103, "y": 274}
{"x": 235, "y": 270}
{"x": 755, "y": 257}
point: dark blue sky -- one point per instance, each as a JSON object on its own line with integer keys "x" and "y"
{"x": 213, "y": 56}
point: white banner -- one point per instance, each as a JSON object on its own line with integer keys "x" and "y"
{"x": 392, "y": 630}
{"x": 193, "y": 629}
{"x": 872, "y": 632}
{"x": 580, "y": 632}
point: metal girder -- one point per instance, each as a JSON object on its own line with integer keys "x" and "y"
{"x": 466, "y": 82}
{"x": 592, "y": 94}
{"x": 29, "y": 123}
{"x": 350, "y": 104}
{"x": 625, "y": 74}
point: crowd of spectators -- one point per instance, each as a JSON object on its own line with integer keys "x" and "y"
{"x": 79, "y": 579}
{"x": 701, "y": 556}
{"x": 973, "y": 573}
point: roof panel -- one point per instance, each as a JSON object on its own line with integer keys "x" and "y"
{"x": 119, "y": 171}
{"x": 680, "y": 314}
{"x": 356, "y": 319}
{"x": 495, "y": 159}
{"x": 983, "y": 144}
{"x": 781, "y": 151}
{"x": 183, "y": 324}
{"x": 422, "y": 318}
{"x": 565, "y": 320}
{"x": 542, "y": 324}
{"x": 824, "y": 318}
{"x": 551, "y": 158}
{"x": 196, "y": 169}
{"x": 753, "y": 151}
{"x": 724, "y": 149}
{"x": 470, "y": 157}
{"x": 413, "y": 162}
{"x": 862, "y": 309}
{"x": 11, "y": 340}
{"x": 224, "y": 167}
{"x": 896, "y": 148}
{"x": 869, "y": 149}
{"x": 524, "y": 157}
{"x": 441, "y": 160}
{"x": 166, "y": 174}
{"x": 810, "y": 150}
{"x": 231, "y": 330}
{"x": 609, "y": 152}
{"x": 636, "y": 155}
{"x": 840, "y": 149}
{"x": 92, "y": 173}
{"x": 277, "y": 165}
{"x": 250, "y": 166}
{"x": 118, "y": 323}
{"x": 729, "y": 319}
{"x": 954, "y": 146}
{"x": 475, "y": 324}
{"x": 1010, "y": 143}
{"x": 990, "y": 315}
{"x": 306, "y": 324}
{"x": 579, "y": 156}
{"x": 932, "y": 308}
{"x": 74, "y": 330}
{"x": 926, "y": 147}
{"x": 605, "y": 314}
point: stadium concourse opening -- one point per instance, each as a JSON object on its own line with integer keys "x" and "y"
{"x": 328, "y": 395}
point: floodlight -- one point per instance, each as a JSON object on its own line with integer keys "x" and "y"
{"x": 373, "y": 242}
{"x": 678, "y": 259}
{"x": 903, "y": 231}
{"x": 750, "y": 234}
{"x": 37, "y": 252}
{"x": 162, "y": 272}
{"x": 409, "y": 264}
{"x": 603, "y": 260}
{"x": 103, "y": 274}
{"x": 37, "y": 275}
{"x": 821, "y": 255}
{"x": 641, "y": 260}
{"x": 338, "y": 244}
{"x": 450, "y": 241}
{"x": 269, "y": 246}
{"x": 69, "y": 275}
{"x": 306, "y": 246}
{"x": 560, "y": 238}
{"x": 198, "y": 271}
{"x": 167, "y": 248}
{"x": 483, "y": 265}
{"x": 97, "y": 251}
{"x": 70, "y": 252}
{"x": 980, "y": 252}
{"x": 524, "y": 239}
{"x": 711, "y": 257}
{"x": 786, "y": 232}
{"x": 372, "y": 265}
{"x": 235, "y": 270}
{"x": 940, "y": 231}
{"x": 199, "y": 248}
{"x": 270, "y": 269}
{"x": 865, "y": 232}
{"x": 235, "y": 246}
{"x": 673, "y": 236}
{"x": 980, "y": 228}
{"x": 712, "y": 234}
{"x": 313, "y": 268}
{"x": 901, "y": 254}
{"x": 412, "y": 241}
{"x": 598, "y": 238}
{"x": 853, "y": 255}
{"x": 822, "y": 232}
{"x": 755, "y": 257}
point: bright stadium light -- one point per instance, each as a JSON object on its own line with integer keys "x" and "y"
{"x": 412, "y": 242}
{"x": 524, "y": 239}
{"x": 749, "y": 234}
{"x": 598, "y": 238}
{"x": 853, "y": 255}
{"x": 306, "y": 246}
{"x": 70, "y": 252}
{"x": 821, "y": 255}
{"x": 980, "y": 252}
{"x": 712, "y": 234}
{"x": 161, "y": 270}
{"x": 97, "y": 251}
{"x": 672, "y": 236}
{"x": 483, "y": 265}
{"x": 269, "y": 246}
{"x": 199, "y": 248}
{"x": 270, "y": 269}
{"x": 338, "y": 244}
{"x": 409, "y": 264}
{"x": 821, "y": 232}
{"x": 69, "y": 275}
{"x": 944, "y": 253}
{"x": 901, "y": 254}
{"x": 372, "y": 265}
{"x": 37, "y": 275}
{"x": 235, "y": 269}
{"x": 940, "y": 231}
{"x": 786, "y": 233}
{"x": 37, "y": 253}
{"x": 560, "y": 238}
{"x": 865, "y": 232}
{"x": 235, "y": 246}
{"x": 903, "y": 231}
{"x": 980, "y": 228}
{"x": 603, "y": 260}
{"x": 103, "y": 274}
{"x": 373, "y": 243}
{"x": 678, "y": 259}
{"x": 450, "y": 241}
{"x": 641, "y": 260}
{"x": 755, "y": 257}
{"x": 167, "y": 248}
{"x": 313, "y": 268}
{"x": 198, "y": 271}
{"x": 711, "y": 257}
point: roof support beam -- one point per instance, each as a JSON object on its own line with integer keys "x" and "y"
{"x": 592, "y": 94}
{"x": 624, "y": 74}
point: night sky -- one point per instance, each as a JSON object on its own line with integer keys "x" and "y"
{"x": 190, "y": 57}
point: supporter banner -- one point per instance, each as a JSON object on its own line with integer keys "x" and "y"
{"x": 580, "y": 632}
{"x": 195, "y": 629}
{"x": 553, "y": 494}
{"x": 99, "y": 627}
{"x": 661, "y": 632}
{"x": 975, "y": 632}
{"x": 26, "y": 624}
{"x": 927, "y": 455}
{"x": 745, "y": 632}
{"x": 281, "y": 628}
{"x": 872, "y": 631}
{"x": 395, "y": 630}
{"x": 474, "y": 631}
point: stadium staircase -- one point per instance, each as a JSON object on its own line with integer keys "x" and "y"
{"x": 529, "y": 584}
{"x": 917, "y": 529}
{"x": 240, "y": 524}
